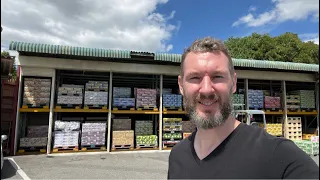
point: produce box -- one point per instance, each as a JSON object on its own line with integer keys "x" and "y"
{"x": 293, "y": 128}
{"x": 97, "y": 86}
{"x": 164, "y": 91}
{"x": 143, "y": 127}
{"x": 36, "y": 92}
{"x": 96, "y": 98}
{"x": 272, "y": 102}
{"x": 306, "y": 97}
{"x": 274, "y": 129}
{"x": 62, "y": 138}
{"x": 37, "y": 131}
{"x": 93, "y": 133}
{"x": 124, "y": 102}
{"x": 146, "y": 97}
{"x": 66, "y": 126}
{"x": 33, "y": 142}
{"x": 147, "y": 140}
{"x": 123, "y": 137}
{"x": 293, "y": 101}
{"x": 121, "y": 92}
{"x": 238, "y": 98}
{"x": 172, "y": 100}
{"x": 119, "y": 124}
{"x": 70, "y": 94}
{"x": 255, "y": 99}
{"x": 311, "y": 148}
{"x": 172, "y": 136}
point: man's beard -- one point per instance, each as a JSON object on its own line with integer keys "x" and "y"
{"x": 210, "y": 121}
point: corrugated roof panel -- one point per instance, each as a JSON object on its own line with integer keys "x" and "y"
{"x": 176, "y": 58}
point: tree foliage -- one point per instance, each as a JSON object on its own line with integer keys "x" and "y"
{"x": 286, "y": 47}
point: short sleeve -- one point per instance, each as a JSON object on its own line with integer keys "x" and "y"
{"x": 294, "y": 162}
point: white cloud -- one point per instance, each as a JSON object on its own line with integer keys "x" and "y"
{"x": 284, "y": 10}
{"x": 252, "y": 8}
{"x": 313, "y": 37}
{"x": 113, "y": 24}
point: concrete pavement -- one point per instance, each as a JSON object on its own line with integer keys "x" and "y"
{"x": 104, "y": 166}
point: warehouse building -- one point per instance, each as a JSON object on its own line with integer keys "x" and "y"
{"x": 74, "y": 99}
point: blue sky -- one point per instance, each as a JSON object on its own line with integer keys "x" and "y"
{"x": 215, "y": 18}
{"x": 153, "y": 25}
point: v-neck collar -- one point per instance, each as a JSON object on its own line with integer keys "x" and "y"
{"x": 217, "y": 150}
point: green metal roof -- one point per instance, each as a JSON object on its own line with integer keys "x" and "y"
{"x": 175, "y": 58}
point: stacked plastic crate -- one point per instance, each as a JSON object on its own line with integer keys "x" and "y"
{"x": 172, "y": 128}
{"x": 271, "y": 102}
{"x": 293, "y": 128}
{"x": 255, "y": 99}
{"x": 144, "y": 134}
{"x": 96, "y": 94}
{"x": 122, "y": 135}
{"x": 70, "y": 95}
{"x": 309, "y": 147}
{"x": 238, "y": 101}
{"x": 274, "y": 129}
{"x": 122, "y": 98}
{"x": 172, "y": 101}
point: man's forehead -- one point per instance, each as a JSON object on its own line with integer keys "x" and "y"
{"x": 206, "y": 59}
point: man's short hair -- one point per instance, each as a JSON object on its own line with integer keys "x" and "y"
{"x": 207, "y": 44}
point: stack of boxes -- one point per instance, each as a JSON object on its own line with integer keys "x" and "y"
{"x": 172, "y": 128}
{"x": 144, "y": 134}
{"x": 293, "y": 102}
{"x": 69, "y": 94}
{"x": 146, "y": 98}
{"x": 272, "y": 102}
{"x": 37, "y": 136}
{"x": 293, "y": 128}
{"x": 122, "y": 135}
{"x": 238, "y": 98}
{"x": 36, "y": 92}
{"x": 255, "y": 99}
{"x": 93, "y": 134}
{"x": 122, "y": 97}
{"x": 307, "y": 98}
{"x": 66, "y": 134}
{"x": 96, "y": 94}
{"x": 274, "y": 129}
{"x": 309, "y": 147}
{"x": 172, "y": 100}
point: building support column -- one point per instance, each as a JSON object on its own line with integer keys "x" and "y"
{"x": 109, "y": 113}
{"x": 160, "y": 113}
{"x": 284, "y": 106}
{"x": 246, "y": 97}
{"x": 16, "y": 131}
{"x": 53, "y": 83}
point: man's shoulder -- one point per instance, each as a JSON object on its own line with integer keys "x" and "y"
{"x": 183, "y": 145}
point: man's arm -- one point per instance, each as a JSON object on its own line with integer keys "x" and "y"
{"x": 295, "y": 162}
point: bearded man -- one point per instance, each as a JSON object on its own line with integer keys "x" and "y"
{"x": 222, "y": 147}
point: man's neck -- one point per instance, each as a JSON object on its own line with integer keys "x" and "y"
{"x": 208, "y": 140}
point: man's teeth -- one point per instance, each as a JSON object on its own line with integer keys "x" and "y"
{"x": 207, "y": 103}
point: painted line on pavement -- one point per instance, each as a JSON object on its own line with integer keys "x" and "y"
{"x": 19, "y": 170}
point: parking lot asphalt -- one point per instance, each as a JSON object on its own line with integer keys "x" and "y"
{"x": 103, "y": 166}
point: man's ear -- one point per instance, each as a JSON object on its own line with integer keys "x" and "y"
{"x": 234, "y": 80}
{"x": 180, "y": 84}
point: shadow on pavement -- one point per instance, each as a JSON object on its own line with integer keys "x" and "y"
{"x": 8, "y": 170}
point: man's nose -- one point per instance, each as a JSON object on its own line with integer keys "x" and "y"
{"x": 206, "y": 86}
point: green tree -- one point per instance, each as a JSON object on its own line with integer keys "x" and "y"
{"x": 286, "y": 47}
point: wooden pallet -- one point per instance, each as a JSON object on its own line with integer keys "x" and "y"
{"x": 308, "y": 110}
{"x": 91, "y": 106}
{"x": 32, "y": 149}
{"x": 68, "y": 106}
{"x": 42, "y": 106}
{"x": 96, "y": 90}
{"x": 89, "y": 147}
{"x": 123, "y": 108}
{"x": 123, "y": 146}
{"x": 65, "y": 149}
{"x": 294, "y": 110}
{"x": 140, "y": 108}
{"x": 255, "y": 108}
{"x": 169, "y": 145}
{"x": 172, "y": 108}
{"x": 146, "y": 146}
{"x": 70, "y": 94}
{"x": 273, "y": 110}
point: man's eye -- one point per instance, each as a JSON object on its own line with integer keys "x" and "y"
{"x": 195, "y": 78}
{"x": 218, "y": 77}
